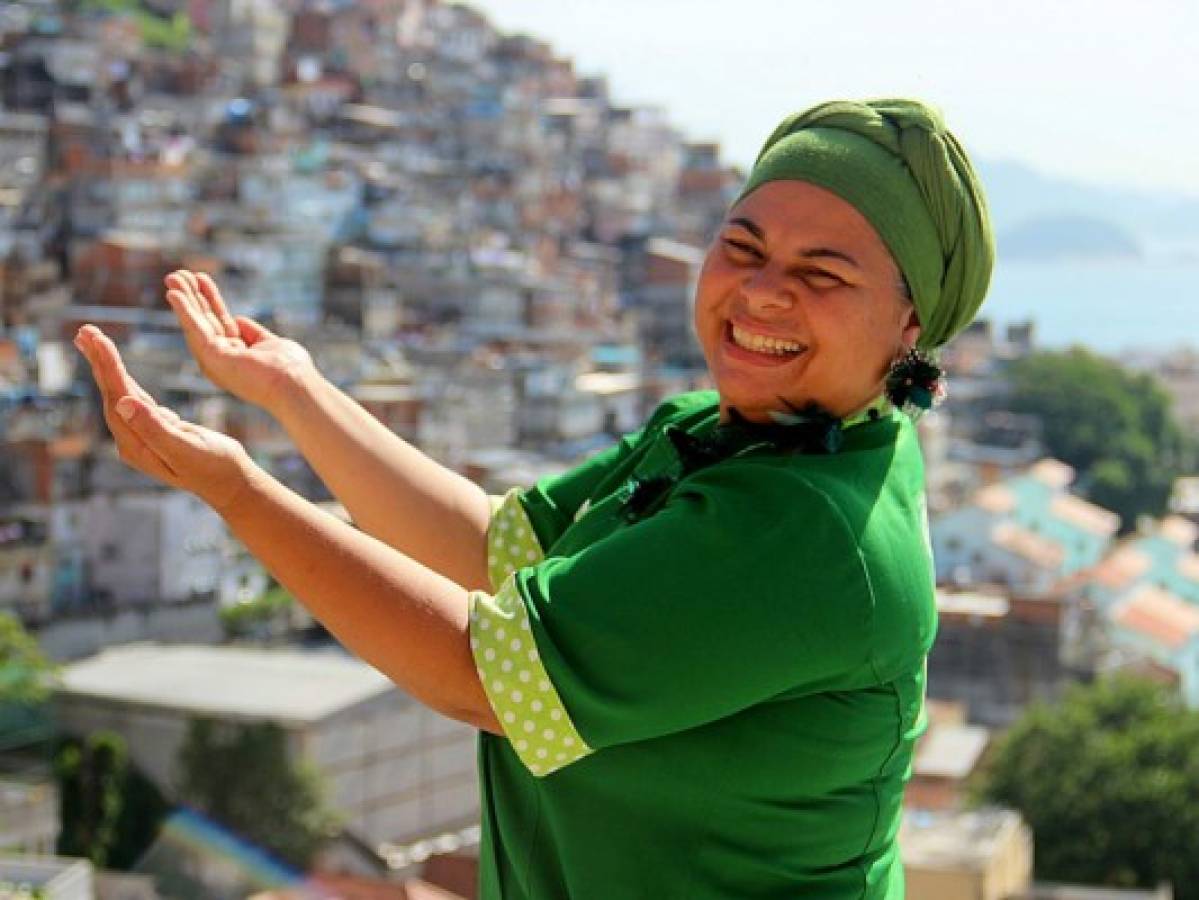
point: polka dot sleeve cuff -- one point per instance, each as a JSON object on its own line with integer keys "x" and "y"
{"x": 517, "y": 684}
{"x": 511, "y": 542}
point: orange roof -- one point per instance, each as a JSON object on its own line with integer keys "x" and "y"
{"x": 1052, "y": 472}
{"x": 995, "y": 498}
{"x": 1035, "y": 548}
{"x": 1122, "y": 567}
{"x": 1188, "y": 566}
{"x": 1179, "y": 531}
{"x": 1084, "y": 515}
{"x": 1158, "y": 615}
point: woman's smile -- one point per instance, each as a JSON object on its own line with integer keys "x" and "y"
{"x": 799, "y": 302}
{"x": 759, "y": 350}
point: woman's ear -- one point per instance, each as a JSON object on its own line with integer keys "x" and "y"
{"x": 911, "y": 328}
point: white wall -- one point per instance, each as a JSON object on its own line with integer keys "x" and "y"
{"x": 394, "y": 768}
{"x": 399, "y": 770}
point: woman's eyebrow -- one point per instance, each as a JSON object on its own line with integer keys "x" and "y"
{"x": 814, "y": 253}
{"x": 817, "y": 252}
{"x": 749, "y": 225}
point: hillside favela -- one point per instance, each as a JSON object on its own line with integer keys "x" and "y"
{"x": 495, "y": 256}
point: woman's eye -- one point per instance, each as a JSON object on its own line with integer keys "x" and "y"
{"x": 742, "y": 247}
{"x": 822, "y": 279}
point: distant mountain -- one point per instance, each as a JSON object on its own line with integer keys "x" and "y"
{"x": 1066, "y": 236}
{"x": 1020, "y": 195}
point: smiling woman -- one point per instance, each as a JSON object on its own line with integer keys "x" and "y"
{"x": 798, "y": 303}
{"x": 697, "y": 660}
{"x": 727, "y": 615}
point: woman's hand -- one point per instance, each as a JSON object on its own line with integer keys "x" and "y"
{"x": 155, "y": 441}
{"x": 235, "y": 353}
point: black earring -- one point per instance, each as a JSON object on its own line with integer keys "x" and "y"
{"x": 915, "y": 383}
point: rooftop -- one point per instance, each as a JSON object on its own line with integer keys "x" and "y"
{"x": 1188, "y": 566}
{"x": 606, "y": 383}
{"x": 286, "y": 686}
{"x": 953, "y": 840}
{"x": 1053, "y": 472}
{"x": 1084, "y": 515}
{"x": 1179, "y": 531}
{"x": 972, "y": 603}
{"x": 1159, "y": 616}
{"x": 1036, "y": 548}
{"x": 950, "y": 751}
{"x": 996, "y": 498}
{"x": 1123, "y": 567}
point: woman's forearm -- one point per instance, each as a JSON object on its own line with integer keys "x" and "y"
{"x": 404, "y": 619}
{"x": 390, "y": 489}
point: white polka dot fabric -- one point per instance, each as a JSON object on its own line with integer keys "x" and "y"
{"x": 517, "y": 684}
{"x": 511, "y": 542}
{"x": 505, "y": 652}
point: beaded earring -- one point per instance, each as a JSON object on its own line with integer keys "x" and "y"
{"x": 915, "y": 383}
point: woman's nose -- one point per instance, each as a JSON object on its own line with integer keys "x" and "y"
{"x": 768, "y": 288}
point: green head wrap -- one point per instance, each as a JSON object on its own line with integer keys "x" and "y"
{"x": 897, "y": 164}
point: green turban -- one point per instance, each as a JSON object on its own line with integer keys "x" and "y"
{"x": 898, "y": 165}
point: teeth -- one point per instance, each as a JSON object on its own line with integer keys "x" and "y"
{"x": 763, "y": 344}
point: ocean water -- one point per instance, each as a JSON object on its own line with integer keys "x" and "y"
{"x": 1108, "y": 305}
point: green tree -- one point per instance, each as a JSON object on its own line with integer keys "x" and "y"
{"x": 110, "y": 812}
{"x": 1108, "y": 780}
{"x": 25, "y": 672}
{"x": 259, "y": 617}
{"x": 26, "y": 677}
{"x": 1114, "y": 426}
{"x": 243, "y": 776}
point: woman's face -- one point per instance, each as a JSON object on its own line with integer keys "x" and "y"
{"x": 796, "y": 263}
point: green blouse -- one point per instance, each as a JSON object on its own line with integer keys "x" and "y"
{"x": 719, "y": 699}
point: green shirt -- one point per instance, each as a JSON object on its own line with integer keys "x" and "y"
{"x": 720, "y": 699}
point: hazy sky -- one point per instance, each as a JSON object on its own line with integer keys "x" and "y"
{"x": 1104, "y": 91}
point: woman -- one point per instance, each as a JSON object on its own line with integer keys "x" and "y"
{"x": 697, "y": 659}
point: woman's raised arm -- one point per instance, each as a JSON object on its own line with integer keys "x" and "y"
{"x": 401, "y": 617}
{"x": 391, "y": 490}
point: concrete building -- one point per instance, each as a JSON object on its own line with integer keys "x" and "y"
{"x": 997, "y": 653}
{"x": 1155, "y": 626}
{"x": 1167, "y": 557}
{"x": 395, "y": 769}
{"x": 29, "y": 820}
{"x": 152, "y": 546}
{"x": 982, "y": 855}
{"x": 986, "y": 855}
{"x": 946, "y": 756}
{"x": 1184, "y": 500}
{"x": 48, "y": 877}
{"x": 1027, "y": 532}
{"x": 665, "y": 300}
{"x": 1139, "y": 605}
{"x": 26, "y": 569}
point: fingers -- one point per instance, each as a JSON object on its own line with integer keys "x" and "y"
{"x": 198, "y": 329}
{"x": 197, "y": 308}
{"x": 115, "y": 386}
{"x": 108, "y": 369}
{"x": 134, "y": 449}
{"x": 199, "y": 460}
{"x": 159, "y": 428}
{"x": 216, "y": 302}
{"x": 193, "y": 284}
{"x": 251, "y": 332}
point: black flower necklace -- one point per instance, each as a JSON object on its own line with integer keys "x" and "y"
{"x": 802, "y": 430}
